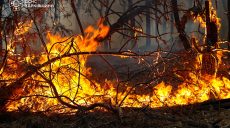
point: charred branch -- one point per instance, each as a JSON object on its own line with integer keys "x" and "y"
{"x": 125, "y": 17}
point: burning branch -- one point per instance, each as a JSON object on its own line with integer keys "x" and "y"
{"x": 75, "y": 106}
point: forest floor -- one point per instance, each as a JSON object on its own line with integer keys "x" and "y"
{"x": 176, "y": 117}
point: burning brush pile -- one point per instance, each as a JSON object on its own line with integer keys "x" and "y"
{"x": 60, "y": 81}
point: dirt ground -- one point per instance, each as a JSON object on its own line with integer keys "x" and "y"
{"x": 178, "y": 117}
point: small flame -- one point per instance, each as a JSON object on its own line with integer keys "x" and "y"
{"x": 23, "y": 27}
{"x": 200, "y": 20}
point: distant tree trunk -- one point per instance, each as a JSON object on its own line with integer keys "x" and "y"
{"x": 229, "y": 25}
{"x": 148, "y": 26}
{"x": 106, "y": 42}
{"x": 133, "y": 44}
{"x": 164, "y": 24}
{"x": 171, "y": 26}
{"x": 228, "y": 22}
{"x": 189, "y": 26}
{"x": 164, "y": 21}
{"x": 179, "y": 27}
{"x": 157, "y": 32}
{"x": 56, "y": 12}
{"x": 1, "y": 27}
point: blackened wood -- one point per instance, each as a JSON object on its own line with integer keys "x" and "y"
{"x": 209, "y": 64}
{"x": 211, "y": 28}
{"x": 209, "y": 61}
{"x": 124, "y": 18}
{"x": 228, "y": 25}
{"x": 1, "y": 28}
{"x": 207, "y": 12}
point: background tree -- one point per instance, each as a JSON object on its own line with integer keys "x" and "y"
{"x": 133, "y": 44}
{"x": 1, "y": 26}
{"x": 148, "y": 25}
{"x": 228, "y": 21}
{"x": 179, "y": 26}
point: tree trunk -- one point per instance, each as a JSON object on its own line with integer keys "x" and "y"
{"x": 209, "y": 60}
{"x": 148, "y": 27}
{"x": 132, "y": 23}
{"x": 171, "y": 27}
{"x": 1, "y": 27}
{"x": 106, "y": 43}
{"x": 180, "y": 29}
{"x": 164, "y": 25}
{"x": 228, "y": 23}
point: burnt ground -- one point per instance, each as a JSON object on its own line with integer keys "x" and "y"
{"x": 176, "y": 117}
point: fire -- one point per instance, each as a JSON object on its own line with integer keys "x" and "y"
{"x": 213, "y": 17}
{"x": 69, "y": 74}
{"x": 200, "y": 20}
{"x": 193, "y": 91}
{"x": 71, "y": 79}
